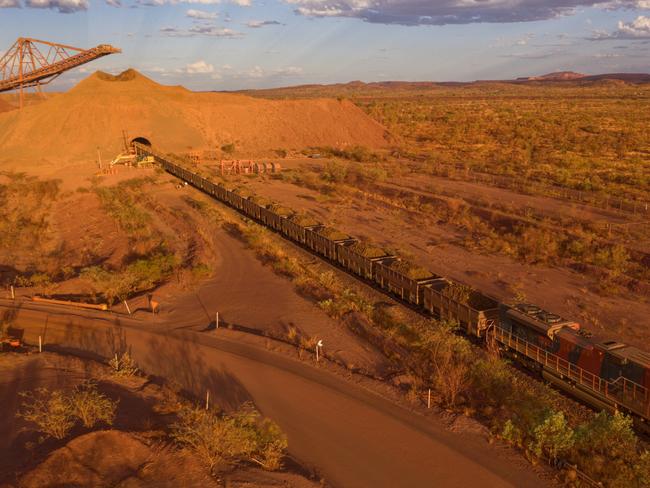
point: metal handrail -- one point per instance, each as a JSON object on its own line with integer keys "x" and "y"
{"x": 622, "y": 390}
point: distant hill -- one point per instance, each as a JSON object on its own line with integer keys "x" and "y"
{"x": 557, "y": 76}
{"x": 361, "y": 89}
{"x": 627, "y": 77}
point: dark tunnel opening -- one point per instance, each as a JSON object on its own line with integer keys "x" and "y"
{"x": 141, "y": 140}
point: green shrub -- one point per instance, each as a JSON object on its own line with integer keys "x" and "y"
{"x": 242, "y": 436}
{"x": 552, "y": 438}
{"x": 444, "y": 362}
{"x": 123, "y": 365}
{"x": 90, "y": 406}
{"x": 51, "y": 411}
{"x": 228, "y": 148}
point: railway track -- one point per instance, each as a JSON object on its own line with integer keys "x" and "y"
{"x": 619, "y": 393}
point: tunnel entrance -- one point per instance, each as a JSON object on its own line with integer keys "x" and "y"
{"x": 141, "y": 140}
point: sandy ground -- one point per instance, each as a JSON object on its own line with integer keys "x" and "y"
{"x": 248, "y": 294}
{"x": 563, "y": 291}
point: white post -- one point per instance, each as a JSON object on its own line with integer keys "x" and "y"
{"x": 13, "y": 293}
{"x": 40, "y": 344}
{"x": 317, "y": 353}
{"x": 319, "y": 345}
{"x": 127, "y": 307}
{"x": 207, "y": 399}
{"x": 429, "y": 399}
{"x": 217, "y": 320}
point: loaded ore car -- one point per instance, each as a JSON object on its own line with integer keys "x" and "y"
{"x": 276, "y": 215}
{"x": 220, "y": 192}
{"x": 449, "y": 300}
{"x": 295, "y": 227}
{"x": 239, "y": 198}
{"x": 403, "y": 278}
{"x": 359, "y": 257}
{"x": 256, "y": 207}
{"x": 326, "y": 240}
{"x": 249, "y": 206}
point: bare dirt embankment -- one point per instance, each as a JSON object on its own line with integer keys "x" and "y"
{"x": 134, "y": 452}
{"x": 71, "y": 126}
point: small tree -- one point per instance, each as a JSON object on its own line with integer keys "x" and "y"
{"x": 230, "y": 438}
{"x": 90, "y": 406}
{"x": 553, "y": 437}
{"x": 50, "y": 411}
{"x": 228, "y": 148}
{"x": 605, "y": 446}
{"x": 445, "y": 360}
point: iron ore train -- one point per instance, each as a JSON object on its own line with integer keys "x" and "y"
{"x": 607, "y": 375}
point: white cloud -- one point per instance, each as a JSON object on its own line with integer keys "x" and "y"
{"x": 9, "y": 4}
{"x": 256, "y": 24}
{"x": 199, "y": 67}
{"x": 441, "y": 12}
{"x": 158, "y": 3}
{"x": 509, "y": 42}
{"x": 638, "y": 29}
{"x": 201, "y": 30}
{"x": 63, "y": 6}
{"x": 625, "y": 4}
{"x": 114, "y": 3}
{"x": 201, "y": 14}
{"x": 257, "y": 72}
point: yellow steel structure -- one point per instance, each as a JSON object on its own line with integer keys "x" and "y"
{"x": 26, "y": 65}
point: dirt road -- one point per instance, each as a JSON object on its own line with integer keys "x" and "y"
{"x": 353, "y": 437}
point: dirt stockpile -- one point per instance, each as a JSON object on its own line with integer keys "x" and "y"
{"x": 93, "y": 114}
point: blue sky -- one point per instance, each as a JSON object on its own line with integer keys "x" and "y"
{"x": 231, "y": 44}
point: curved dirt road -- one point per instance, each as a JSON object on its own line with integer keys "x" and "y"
{"x": 352, "y": 436}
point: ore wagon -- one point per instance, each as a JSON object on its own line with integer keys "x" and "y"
{"x": 295, "y": 227}
{"x": 359, "y": 257}
{"x": 403, "y": 278}
{"x": 449, "y": 300}
{"x": 326, "y": 240}
{"x": 277, "y": 215}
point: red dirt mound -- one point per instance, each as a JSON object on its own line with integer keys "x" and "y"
{"x": 111, "y": 458}
{"x": 71, "y": 126}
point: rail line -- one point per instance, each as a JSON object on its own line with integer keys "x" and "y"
{"x": 600, "y": 393}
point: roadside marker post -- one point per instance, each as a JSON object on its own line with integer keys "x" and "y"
{"x": 13, "y": 293}
{"x": 429, "y": 399}
{"x": 40, "y": 344}
{"x": 216, "y": 321}
{"x": 319, "y": 345}
{"x": 127, "y": 307}
{"x": 207, "y": 399}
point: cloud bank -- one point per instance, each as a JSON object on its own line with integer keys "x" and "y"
{"x": 442, "y": 12}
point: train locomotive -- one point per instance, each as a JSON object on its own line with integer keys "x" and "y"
{"x": 607, "y": 375}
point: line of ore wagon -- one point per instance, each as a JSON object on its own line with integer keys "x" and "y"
{"x": 608, "y": 375}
